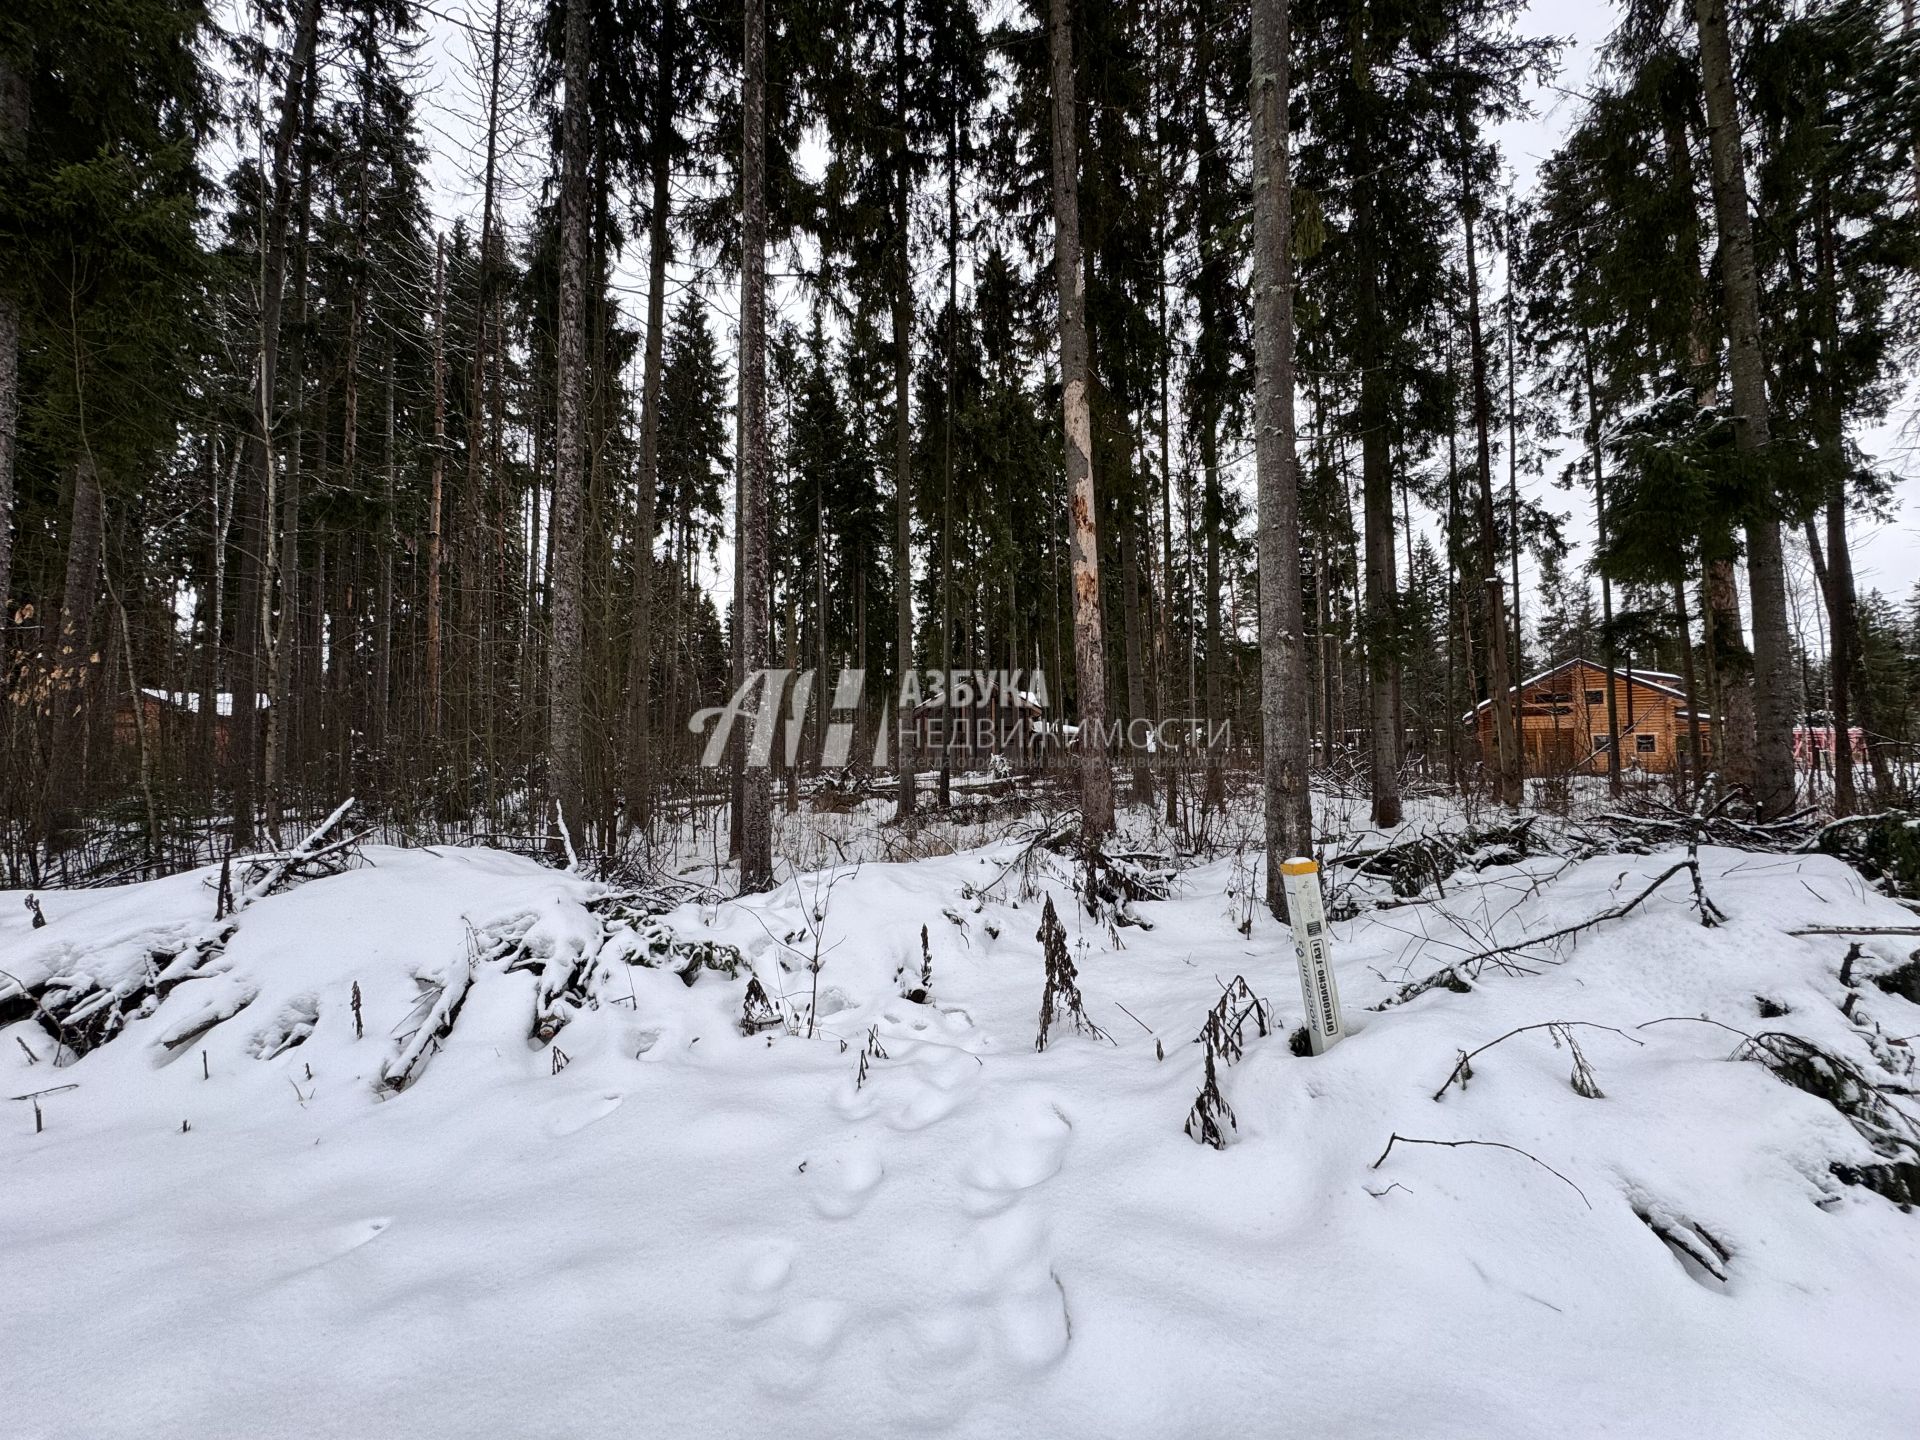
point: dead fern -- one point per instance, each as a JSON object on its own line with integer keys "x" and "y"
{"x": 1060, "y": 1000}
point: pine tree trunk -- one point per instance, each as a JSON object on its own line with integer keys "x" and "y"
{"x": 946, "y": 459}
{"x": 1773, "y": 704}
{"x": 640, "y": 657}
{"x": 903, "y": 722}
{"x": 383, "y": 635}
{"x": 1142, "y": 780}
{"x": 1283, "y": 670}
{"x": 564, "y": 679}
{"x": 1729, "y": 664}
{"x": 1376, "y": 499}
{"x": 1212, "y": 522}
{"x": 1609, "y": 645}
{"x": 286, "y": 637}
{"x": 756, "y": 821}
{"x": 476, "y": 589}
{"x": 437, "y": 493}
{"x": 243, "y": 748}
{"x": 13, "y": 137}
{"x": 1089, "y": 648}
{"x": 1500, "y": 682}
{"x": 71, "y": 661}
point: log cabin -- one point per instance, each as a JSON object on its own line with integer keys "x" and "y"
{"x": 1563, "y": 721}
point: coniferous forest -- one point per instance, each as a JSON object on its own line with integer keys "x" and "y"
{"x": 441, "y": 407}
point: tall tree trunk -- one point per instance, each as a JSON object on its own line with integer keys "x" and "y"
{"x": 71, "y": 661}
{"x": 286, "y": 638}
{"x": 1836, "y": 573}
{"x": 1500, "y": 683}
{"x": 476, "y": 589}
{"x": 1516, "y": 623}
{"x": 1283, "y": 670}
{"x": 13, "y": 138}
{"x": 383, "y": 636}
{"x": 1164, "y": 368}
{"x": 437, "y": 492}
{"x": 640, "y": 656}
{"x": 1723, "y": 641}
{"x": 946, "y": 456}
{"x": 256, "y": 521}
{"x": 904, "y": 723}
{"x": 1609, "y": 646}
{"x": 756, "y": 834}
{"x": 1089, "y": 648}
{"x": 1773, "y": 704}
{"x": 1695, "y": 752}
{"x": 1376, "y": 495}
{"x": 1135, "y": 648}
{"x": 1212, "y": 522}
{"x": 564, "y": 722}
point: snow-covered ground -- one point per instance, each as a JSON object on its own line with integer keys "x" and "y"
{"x": 655, "y": 1225}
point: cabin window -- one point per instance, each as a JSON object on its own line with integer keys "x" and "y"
{"x": 1596, "y": 697}
{"x": 1645, "y": 744}
{"x": 1600, "y": 744}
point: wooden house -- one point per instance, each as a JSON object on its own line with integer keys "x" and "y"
{"x": 1563, "y": 720}
{"x": 172, "y": 715}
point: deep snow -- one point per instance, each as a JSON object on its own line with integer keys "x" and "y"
{"x": 679, "y": 1230}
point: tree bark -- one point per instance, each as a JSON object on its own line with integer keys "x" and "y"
{"x": 286, "y": 638}
{"x": 1608, "y": 646}
{"x": 13, "y": 136}
{"x": 71, "y": 661}
{"x": 1500, "y": 682}
{"x": 756, "y": 838}
{"x": 903, "y": 723}
{"x": 569, "y": 480}
{"x": 436, "y": 491}
{"x": 1376, "y": 500}
{"x": 1773, "y": 704}
{"x": 1089, "y": 648}
{"x": 640, "y": 656}
{"x": 256, "y": 522}
{"x": 1283, "y": 669}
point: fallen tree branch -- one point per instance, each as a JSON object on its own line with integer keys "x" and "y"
{"x": 402, "y": 1070}
{"x": 1398, "y": 1139}
{"x": 1456, "y": 975}
{"x": 1463, "y": 1068}
{"x": 268, "y": 872}
{"x": 1857, "y": 930}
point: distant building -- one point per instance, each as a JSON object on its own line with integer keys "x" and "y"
{"x": 169, "y": 714}
{"x": 1563, "y": 720}
{"x": 995, "y": 722}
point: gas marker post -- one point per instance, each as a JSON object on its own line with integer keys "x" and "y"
{"x": 1317, "y": 988}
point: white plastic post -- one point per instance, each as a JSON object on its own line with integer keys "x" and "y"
{"x": 1317, "y": 988}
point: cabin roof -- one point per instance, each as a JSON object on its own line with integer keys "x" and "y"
{"x": 1636, "y": 677}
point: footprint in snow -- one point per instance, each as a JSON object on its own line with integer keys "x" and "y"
{"x": 1025, "y": 1149}
{"x": 931, "y": 1086}
{"x": 804, "y": 1338}
{"x": 1033, "y": 1324}
{"x": 758, "y": 1281}
{"x": 1003, "y": 1253}
{"x": 841, "y": 1182}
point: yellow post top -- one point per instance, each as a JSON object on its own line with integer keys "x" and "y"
{"x": 1299, "y": 866}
